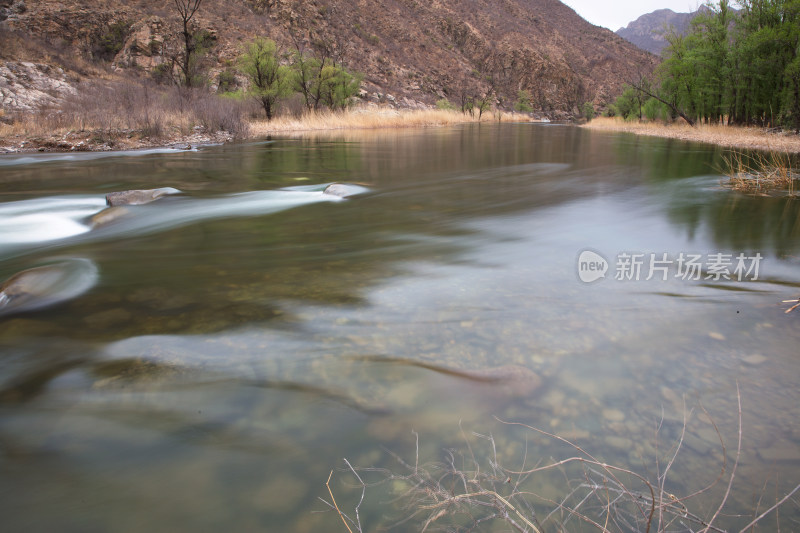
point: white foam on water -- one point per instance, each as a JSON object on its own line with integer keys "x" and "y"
{"x": 7, "y": 160}
{"x": 39, "y": 228}
{"x": 46, "y": 219}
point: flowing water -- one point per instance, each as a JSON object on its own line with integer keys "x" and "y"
{"x": 203, "y": 362}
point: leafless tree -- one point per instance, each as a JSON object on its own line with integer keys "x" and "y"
{"x": 187, "y": 10}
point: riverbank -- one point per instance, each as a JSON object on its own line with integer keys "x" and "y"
{"x": 43, "y": 134}
{"x": 727, "y": 136}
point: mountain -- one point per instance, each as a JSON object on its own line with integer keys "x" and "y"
{"x": 416, "y": 51}
{"x": 647, "y": 32}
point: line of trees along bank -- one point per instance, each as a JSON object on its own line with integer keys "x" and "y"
{"x": 741, "y": 66}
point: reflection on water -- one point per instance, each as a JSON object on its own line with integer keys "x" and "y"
{"x": 244, "y": 337}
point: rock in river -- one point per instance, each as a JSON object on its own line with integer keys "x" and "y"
{"x": 106, "y": 216}
{"x": 344, "y": 190}
{"x": 138, "y": 196}
{"x": 46, "y": 285}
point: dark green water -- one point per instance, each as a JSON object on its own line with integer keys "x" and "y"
{"x": 231, "y": 349}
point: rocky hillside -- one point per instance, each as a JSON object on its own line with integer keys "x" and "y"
{"x": 411, "y": 52}
{"x": 647, "y": 32}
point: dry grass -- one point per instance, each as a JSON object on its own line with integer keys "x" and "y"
{"x": 368, "y": 118}
{"x": 731, "y": 136}
{"x": 758, "y": 173}
{"x": 116, "y": 112}
{"x": 121, "y": 112}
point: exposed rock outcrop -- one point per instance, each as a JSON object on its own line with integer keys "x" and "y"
{"x": 144, "y": 47}
{"x": 26, "y": 86}
{"x": 648, "y": 31}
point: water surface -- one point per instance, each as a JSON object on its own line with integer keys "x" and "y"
{"x": 244, "y": 337}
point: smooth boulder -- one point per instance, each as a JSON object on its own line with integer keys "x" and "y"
{"x": 138, "y": 196}
{"x": 47, "y": 285}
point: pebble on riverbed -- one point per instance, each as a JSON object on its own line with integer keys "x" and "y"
{"x": 754, "y": 360}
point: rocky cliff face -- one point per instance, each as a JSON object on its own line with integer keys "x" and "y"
{"x": 647, "y": 32}
{"x": 408, "y": 50}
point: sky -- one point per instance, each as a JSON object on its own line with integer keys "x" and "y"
{"x": 617, "y": 14}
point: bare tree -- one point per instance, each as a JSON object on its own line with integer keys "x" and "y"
{"x": 186, "y": 10}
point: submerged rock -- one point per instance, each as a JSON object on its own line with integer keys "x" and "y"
{"x": 106, "y": 216}
{"x": 138, "y": 196}
{"x": 46, "y": 285}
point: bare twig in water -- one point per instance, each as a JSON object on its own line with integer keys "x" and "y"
{"x": 336, "y": 505}
{"x": 792, "y": 308}
{"x": 771, "y": 509}
{"x": 470, "y": 488}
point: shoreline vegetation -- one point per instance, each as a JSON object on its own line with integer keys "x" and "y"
{"x": 758, "y": 161}
{"x": 148, "y": 121}
{"x": 738, "y": 137}
{"x": 215, "y": 122}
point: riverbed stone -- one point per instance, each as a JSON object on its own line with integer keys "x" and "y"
{"x": 781, "y": 450}
{"x": 754, "y": 360}
{"x": 613, "y": 415}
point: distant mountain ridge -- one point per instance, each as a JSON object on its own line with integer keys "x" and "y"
{"x": 647, "y": 32}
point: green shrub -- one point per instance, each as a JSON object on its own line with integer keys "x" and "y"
{"x": 655, "y": 110}
{"x": 523, "y": 103}
{"x": 445, "y": 104}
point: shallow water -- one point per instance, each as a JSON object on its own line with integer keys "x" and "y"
{"x": 244, "y": 337}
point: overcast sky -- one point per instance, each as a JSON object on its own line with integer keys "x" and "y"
{"x": 615, "y": 15}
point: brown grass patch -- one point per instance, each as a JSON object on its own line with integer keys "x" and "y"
{"x": 731, "y": 136}
{"x": 367, "y": 118}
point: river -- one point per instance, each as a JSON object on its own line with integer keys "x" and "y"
{"x": 205, "y": 362}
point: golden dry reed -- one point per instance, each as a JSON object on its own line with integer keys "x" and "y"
{"x": 370, "y": 118}
{"x": 758, "y": 173}
{"x": 730, "y": 136}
